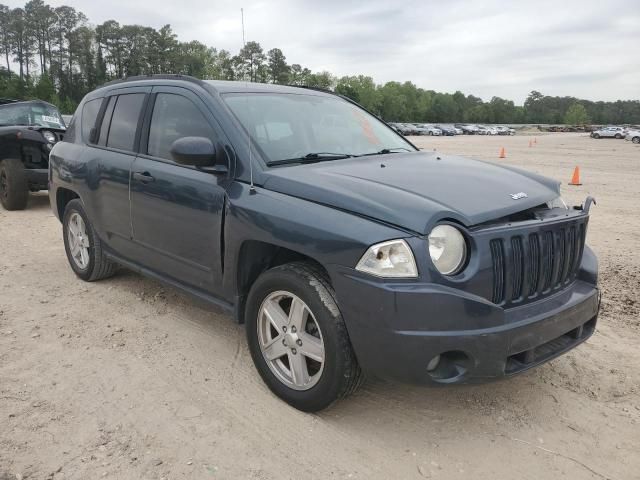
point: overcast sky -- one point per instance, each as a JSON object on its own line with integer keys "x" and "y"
{"x": 586, "y": 48}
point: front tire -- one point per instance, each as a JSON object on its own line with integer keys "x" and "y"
{"x": 82, "y": 245}
{"x": 14, "y": 189}
{"x": 618, "y": 136}
{"x": 298, "y": 339}
{"x": 596, "y": 135}
{"x": 636, "y": 140}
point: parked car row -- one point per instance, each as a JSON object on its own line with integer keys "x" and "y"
{"x": 613, "y": 131}
{"x": 451, "y": 129}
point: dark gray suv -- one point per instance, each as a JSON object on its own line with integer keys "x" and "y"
{"x": 343, "y": 248}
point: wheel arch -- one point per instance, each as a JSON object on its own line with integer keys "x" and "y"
{"x": 256, "y": 257}
{"x": 63, "y": 197}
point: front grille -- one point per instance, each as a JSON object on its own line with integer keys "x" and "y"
{"x": 530, "y": 265}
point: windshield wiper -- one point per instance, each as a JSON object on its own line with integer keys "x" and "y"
{"x": 311, "y": 158}
{"x": 385, "y": 151}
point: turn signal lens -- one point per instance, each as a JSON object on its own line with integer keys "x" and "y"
{"x": 392, "y": 259}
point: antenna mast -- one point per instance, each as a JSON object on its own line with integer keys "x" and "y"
{"x": 252, "y": 188}
{"x": 242, "y": 15}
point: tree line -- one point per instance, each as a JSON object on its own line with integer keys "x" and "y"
{"x": 55, "y": 54}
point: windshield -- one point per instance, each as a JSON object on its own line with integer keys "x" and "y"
{"x": 294, "y": 126}
{"x": 36, "y": 114}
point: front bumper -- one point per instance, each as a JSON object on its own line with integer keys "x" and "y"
{"x": 396, "y": 329}
{"x": 38, "y": 178}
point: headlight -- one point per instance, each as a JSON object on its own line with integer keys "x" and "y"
{"x": 557, "y": 202}
{"x": 448, "y": 249}
{"x": 392, "y": 259}
{"x": 49, "y": 136}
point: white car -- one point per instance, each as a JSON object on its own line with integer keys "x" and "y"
{"x": 609, "y": 132}
{"x": 503, "y": 130}
{"x": 633, "y": 135}
{"x": 484, "y": 130}
{"x": 429, "y": 130}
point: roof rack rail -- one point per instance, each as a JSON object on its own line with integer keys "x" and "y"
{"x": 317, "y": 89}
{"x": 155, "y": 76}
{"x": 4, "y": 101}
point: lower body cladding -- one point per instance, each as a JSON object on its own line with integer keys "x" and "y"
{"x": 37, "y": 178}
{"x": 430, "y": 334}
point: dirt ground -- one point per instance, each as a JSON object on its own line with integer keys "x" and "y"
{"x": 128, "y": 379}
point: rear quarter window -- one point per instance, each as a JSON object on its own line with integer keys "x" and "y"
{"x": 89, "y": 115}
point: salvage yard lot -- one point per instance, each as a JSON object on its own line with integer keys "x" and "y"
{"x": 126, "y": 378}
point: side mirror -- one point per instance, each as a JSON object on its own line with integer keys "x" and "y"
{"x": 195, "y": 151}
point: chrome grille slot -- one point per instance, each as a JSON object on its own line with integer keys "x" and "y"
{"x": 534, "y": 264}
{"x": 518, "y": 267}
{"x": 547, "y": 260}
{"x": 497, "y": 253}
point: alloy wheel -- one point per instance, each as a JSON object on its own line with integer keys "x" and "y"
{"x": 78, "y": 240}
{"x": 290, "y": 340}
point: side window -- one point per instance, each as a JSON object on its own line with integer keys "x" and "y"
{"x": 106, "y": 121}
{"x": 174, "y": 117}
{"x": 89, "y": 115}
{"x": 124, "y": 122}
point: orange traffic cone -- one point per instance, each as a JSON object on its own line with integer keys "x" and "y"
{"x": 502, "y": 153}
{"x": 530, "y": 143}
{"x": 575, "y": 179}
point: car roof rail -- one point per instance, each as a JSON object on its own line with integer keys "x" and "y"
{"x": 317, "y": 89}
{"x": 4, "y": 101}
{"x": 155, "y": 76}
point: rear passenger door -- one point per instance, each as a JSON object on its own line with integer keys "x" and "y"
{"x": 109, "y": 158}
{"x": 177, "y": 210}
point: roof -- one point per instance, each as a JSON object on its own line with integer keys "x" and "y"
{"x": 8, "y": 101}
{"x": 221, "y": 86}
{"x": 226, "y": 86}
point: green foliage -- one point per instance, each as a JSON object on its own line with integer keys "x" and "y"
{"x": 55, "y": 54}
{"x": 278, "y": 70}
{"x": 44, "y": 89}
{"x": 576, "y": 115}
{"x": 360, "y": 89}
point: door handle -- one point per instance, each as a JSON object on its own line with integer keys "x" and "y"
{"x": 144, "y": 177}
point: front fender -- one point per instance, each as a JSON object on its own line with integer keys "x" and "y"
{"x": 589, "y": 267}
{"x": 322, "y": 233}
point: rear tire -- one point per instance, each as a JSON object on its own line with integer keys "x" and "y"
{"x": 635, "y": 140}
{"x": 596, "y": 135}
{"x": 14, "y": 188}
{"x": 270, "y": 303}
{"x": 618, "y": 136}
{"x": 82, "y": 245}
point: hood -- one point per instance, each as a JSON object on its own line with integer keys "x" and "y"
{"x": 415, "y": 190}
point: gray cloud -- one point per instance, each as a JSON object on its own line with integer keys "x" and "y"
{"x": 583, "y": 48}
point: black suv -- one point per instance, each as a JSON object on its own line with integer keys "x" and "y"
{"x": 28, "y": 131}
{"x": 343, "y": 248}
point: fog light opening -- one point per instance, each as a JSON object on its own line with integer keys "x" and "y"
{"x": 433, "y": 363}
{"x": 449, "y": 366}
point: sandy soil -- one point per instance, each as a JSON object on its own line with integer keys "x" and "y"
{"x": 128, "y": 379}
